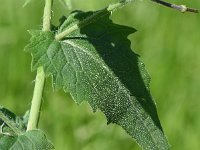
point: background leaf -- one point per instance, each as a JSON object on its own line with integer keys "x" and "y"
{"x": 12, "y": 140}
{"x": 95, "y": 63}
{"x": 67, "y": 3}
{"x": 26, "y": 3}
{"x": 31, "y": 140}
{"x": 10, "y": 123}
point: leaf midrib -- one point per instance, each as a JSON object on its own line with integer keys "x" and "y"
{"x": 119, "y": 84}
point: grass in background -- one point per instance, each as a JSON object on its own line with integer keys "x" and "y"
{"x": 168, "y": 43}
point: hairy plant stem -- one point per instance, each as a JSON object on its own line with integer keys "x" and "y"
{"x": 40, "y": 77}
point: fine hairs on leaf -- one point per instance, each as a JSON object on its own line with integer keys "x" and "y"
{"x": 90, "y": 57}
{"x": 94, "y": 62}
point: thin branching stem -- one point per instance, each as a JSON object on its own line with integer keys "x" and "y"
{"x": 181, "y": 8}
{"x": 113, "y": 7}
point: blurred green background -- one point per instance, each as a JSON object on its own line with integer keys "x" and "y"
{"x": 169, "y": 44}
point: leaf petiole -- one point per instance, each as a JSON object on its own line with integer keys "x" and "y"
{"x": 91, "y": 19}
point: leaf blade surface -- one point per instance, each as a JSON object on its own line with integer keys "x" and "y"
{"x": 14, "y": 137}
{"x": 95, "y": 63}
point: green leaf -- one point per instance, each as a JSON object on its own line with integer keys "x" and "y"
{"x": 31, "y": 140}
{"x": 10, "y": 123}
{"x": 13, "y": 135}
{"x": 94, "y": 62}
{"x": 67, "y": 3}
{"x": 26, "y": 3}
{"x": 6, "y": 141}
